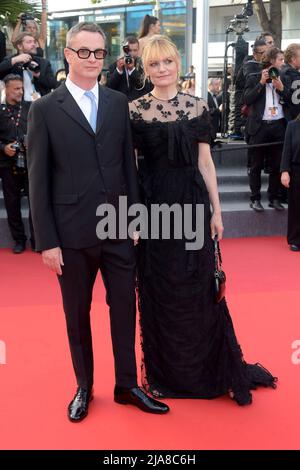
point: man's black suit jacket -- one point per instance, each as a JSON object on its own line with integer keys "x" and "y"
{"x": 43, "y": 84}
{"x": 134, "y": 88}
{"x": 255, "y": 99}
{"x": 214, "y": 112}
{"x": 72, "y": 170}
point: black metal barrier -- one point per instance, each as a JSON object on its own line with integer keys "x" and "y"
{"x": 218, "y": 145}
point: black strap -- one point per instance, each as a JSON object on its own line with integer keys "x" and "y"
{"x": 218, "y": 257}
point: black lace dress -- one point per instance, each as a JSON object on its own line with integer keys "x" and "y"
{"x": 188, "y": 341}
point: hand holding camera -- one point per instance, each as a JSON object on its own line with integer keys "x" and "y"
{"x": 24, "y": 17}
{"x": 25, "y": 60}
{"x": 129, "y": 62}
{"x": 10, "y": 150}
{"x": 120, "y": 64}
{"x": 275, "y": 78}
{"x": 264, "y": 76}
{"x": 34, "y": 67}
{"x": 271, "y": 75}
{"x": 21, "y": 59}
{"x": 17, "y": 149}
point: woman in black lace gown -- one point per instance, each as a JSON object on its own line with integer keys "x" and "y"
{"x": 189, "y": 346}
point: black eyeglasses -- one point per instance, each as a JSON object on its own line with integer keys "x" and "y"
{"x": 85, "y": 53}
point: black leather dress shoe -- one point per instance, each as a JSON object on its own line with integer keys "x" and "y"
{"x": 19, "y": 248}
{"x": 276, "y": 205}
{"x": 135, "y": 396}
{"x": 256, "y": 205}
{"x": 295, "y": 247}
{"x": 32, "y": 244}
{"x": 79, "y": 406}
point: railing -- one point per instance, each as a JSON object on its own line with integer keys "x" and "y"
{"x": 251, "y": 35}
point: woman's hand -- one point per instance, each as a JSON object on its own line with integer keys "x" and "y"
{"x": 264, "y": 76}
{"x": 277, "y": 83}
{"x": 136, "y": 237}
{"x": 216, "y": 225}
{"x": 285, "y": 179}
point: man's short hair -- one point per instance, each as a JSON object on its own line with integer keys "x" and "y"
{"x": 19, "y": 39}
{"x": 264, "y": 34}
{"x": 212, "y": 80}
{"x": 258, "y": 43}
{"x": 84, "y": 26}
{"x": 12, "y": 77}
{"x": 131, "y": 40}
{"x": 291, "y": 52}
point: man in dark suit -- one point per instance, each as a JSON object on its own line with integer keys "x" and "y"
{"x": 214, "y": 85}
{"x": 80, "y": 156}
{"x": 36, "y": 72}
{"x": 266, "y": 123}
{"x": 13, "y": 172}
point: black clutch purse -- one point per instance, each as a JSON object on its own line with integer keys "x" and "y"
{"x": 220, "y": 277}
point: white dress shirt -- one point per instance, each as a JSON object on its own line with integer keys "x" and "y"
{"x": 83, "y": 101}
{"x": 272, "y": 102}
{"x": 28, "y": 86}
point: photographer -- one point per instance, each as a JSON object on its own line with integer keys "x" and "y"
{"x": 126, "y": 74}
{"x": 26, "y": 23}
{"x": 265, "y": 95}
{"x": 2, "y": 45}
{"x": 35, "y": 71}
{"x": 13, "y": 129}
{"x": 214, "y": 86}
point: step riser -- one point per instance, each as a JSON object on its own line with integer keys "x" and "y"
{"x": 230, "y": 158}
{"x": 252, "y": 224}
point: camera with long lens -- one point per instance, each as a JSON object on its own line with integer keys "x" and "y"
{"x": 127, "y": 57}
{"x": 20, "y": 159}
{"x": 273, "y": 73}
{"x": 26, "y": 17}
{"x": 33, "y": 67}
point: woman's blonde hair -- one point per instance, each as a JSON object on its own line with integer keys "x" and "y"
{"x": 159, "y": 46}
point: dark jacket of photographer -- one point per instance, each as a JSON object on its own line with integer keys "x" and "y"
{"x": 9, "y": 132}
{"x": 248, "y": 67}
{"x": 43, "y": 84}
{"x": 255, "y": 99}
{"x": 132, "y": 85}
{"x": 289, "y": 76}
{"x": 2, "y": 46}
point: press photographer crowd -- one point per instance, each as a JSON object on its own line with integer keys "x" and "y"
{"x": 270, "y": 112}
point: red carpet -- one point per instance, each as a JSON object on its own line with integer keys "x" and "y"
{"x": 36, "y": 383}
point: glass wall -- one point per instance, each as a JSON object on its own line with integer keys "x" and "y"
{"x": 118, "y": 23}
{"x": 174, "y": 26}
{"x": 57, "y": 31}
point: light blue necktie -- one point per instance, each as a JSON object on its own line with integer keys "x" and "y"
{"x": 94, "y": 110}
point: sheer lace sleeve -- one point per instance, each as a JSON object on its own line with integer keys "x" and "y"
{"x": 201, "y": 106}
{"x": 201, "y": 128}
{"x": 134, "y": 112}
{"x": 135, "y": 118}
